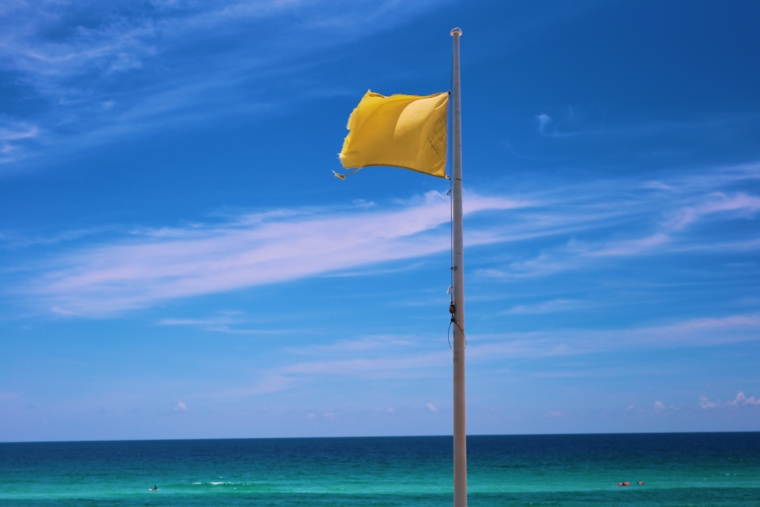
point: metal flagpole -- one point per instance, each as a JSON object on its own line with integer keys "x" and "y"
{"x": 460, "y": 429}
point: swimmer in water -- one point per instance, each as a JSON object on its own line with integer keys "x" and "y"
{"x": 154, "y": 488}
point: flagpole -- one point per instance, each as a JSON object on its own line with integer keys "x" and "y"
{"x": 460, "y": 428}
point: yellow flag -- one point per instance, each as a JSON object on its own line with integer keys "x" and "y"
{"x": 407, "y": 131}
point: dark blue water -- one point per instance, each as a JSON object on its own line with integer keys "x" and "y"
{"x": 709, "y": 469}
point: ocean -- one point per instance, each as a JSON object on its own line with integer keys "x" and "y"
{"x": 685, "y": 469}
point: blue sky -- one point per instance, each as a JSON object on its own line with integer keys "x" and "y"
{"x": 177, "y": 260}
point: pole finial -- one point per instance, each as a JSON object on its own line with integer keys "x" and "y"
{"x": 456, "y": 31}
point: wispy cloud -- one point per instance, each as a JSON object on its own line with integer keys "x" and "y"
{"x": 585, "y": 227}
{"x": 543, "y": 121}
{"x": 99, "y": 69}
{"x": 398, "y": 357}
{"x": 556, "y": 305}
{"x": 367, "y": 343}
{"x": 579, "y": 124}
{"x": 15, "y": 136}
{"x": 12, "y": 240}
{"x": 364, "y": 358}
{"x": 271, "y": 382}
{"x": 252, "y": 250}
{"x": 706, "y": 332}
{"x": 740, "y": 205}
{"x": 406, "y": 366}
{"x": 226, "y": 322}
{"x": 660, "y": 218}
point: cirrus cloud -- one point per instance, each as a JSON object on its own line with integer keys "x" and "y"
{"x": 253, "y": 250}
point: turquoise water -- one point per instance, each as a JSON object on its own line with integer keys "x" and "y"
{"x": 711, "y": 469}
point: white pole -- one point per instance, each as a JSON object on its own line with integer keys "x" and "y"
{"x": 460, "y": 428}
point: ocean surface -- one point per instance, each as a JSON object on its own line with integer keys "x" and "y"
{"x": 695, "y": 469}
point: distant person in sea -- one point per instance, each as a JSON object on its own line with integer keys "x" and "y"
{"x": 154, "y": 488}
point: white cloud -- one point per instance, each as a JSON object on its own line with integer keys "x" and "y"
{"x": 572, "y": 342}
{"x": 740, "y": 400}
{"x": 406, "y": 365}
{"x": 367, "y": 343}
{"x": 156, "y": 265}
{"x": 397, "y": 358}
{"x": 704, "y": 402}
{"x": 553, "y": 306}
{"x": 257, "y": 249}
{"x": 20, "y": 132}
{"x": 630, "y": 247}
{"x": 180, "y": 407}
{"x": 577, "y": 255}
{"x": 543, "y": 121}
{"x": 15, "y": 135}
{"x": 69, "y": 54}
{"x": 740, "y": 204}
{"x": 658, "y": 405}
{"x": 226, "y": 322}
{"x": 629, "y": 131}
{"x": 658, "y": 219}
{"x": 271, "y": 382}
{"x": 190, "y": 322}
{"x": 431, "y": 407}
